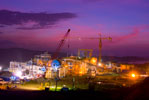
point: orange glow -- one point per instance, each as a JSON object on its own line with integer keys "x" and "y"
{"x": 94, "y": 61}
{"x": 66, "y": 65}
{"x": 80, "y": 72}
{"x": 40, "y": 62}
{"x": 133, "y": 75}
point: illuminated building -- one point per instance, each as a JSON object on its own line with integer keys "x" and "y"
{"x": 28, "y": 70}
{"x": 34, "y": 68}
{"x": 116, "y": 67}
{"x": 74, "y": 66}
{"x": 42, "y": 60}
{"x": 40, "y": 66}
{"x": 124, "y": 67}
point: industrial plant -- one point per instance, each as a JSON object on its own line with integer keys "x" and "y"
{"x": 50, "y": 66}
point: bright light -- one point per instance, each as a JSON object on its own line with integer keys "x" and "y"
{"x": 18, "y": 73}
{"x": 94, "y": 60}
{"x": 133, "y": 75}
{"x": 99, "y": 64}
{"x": 80, "y": 72}
{"x": 0, "y": 68}
{"x": 64, "y": 85}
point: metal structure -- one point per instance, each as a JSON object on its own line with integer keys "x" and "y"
{"x": 87, "y": 52}
{"x": 100, "y": 44}
{"x": 60, "y": 45}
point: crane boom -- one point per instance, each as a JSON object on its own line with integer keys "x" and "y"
{"x": 61, "y": 44}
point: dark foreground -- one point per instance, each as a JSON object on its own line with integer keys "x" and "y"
{"x": 136, "y": 92}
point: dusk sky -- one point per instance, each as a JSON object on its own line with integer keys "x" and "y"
{"x": 41, "y": 24}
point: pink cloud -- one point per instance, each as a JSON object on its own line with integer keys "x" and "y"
{"x": 134, "y": 33}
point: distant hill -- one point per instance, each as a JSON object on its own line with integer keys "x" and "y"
{"x": 125, "y": 59}
{"x": 16, "y": 54}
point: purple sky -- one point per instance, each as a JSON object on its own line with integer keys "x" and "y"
{"x": 40, "y": 24}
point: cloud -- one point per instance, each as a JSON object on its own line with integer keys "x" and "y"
{"x": 34, "y": 20}
{"x": 1, "y": 32}
{"x": 134, "y": 33}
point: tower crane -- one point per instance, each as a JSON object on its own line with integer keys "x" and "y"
{"x": 60, "y": 45}
{"x": 100, "y": 44}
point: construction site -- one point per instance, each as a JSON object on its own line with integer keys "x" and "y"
{"x": 51, "y": 66}
{"x": 74, "y": 49}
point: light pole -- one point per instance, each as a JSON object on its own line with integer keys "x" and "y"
{"x": 56, "y": 65}
{"x": 1, "y": 68}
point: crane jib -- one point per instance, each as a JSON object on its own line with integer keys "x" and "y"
{"x": 61, "y": 44}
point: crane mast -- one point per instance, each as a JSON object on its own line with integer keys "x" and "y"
{"x": 100, "y": 45}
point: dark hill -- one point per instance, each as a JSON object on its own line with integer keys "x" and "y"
{"x": 16, "y": 54}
